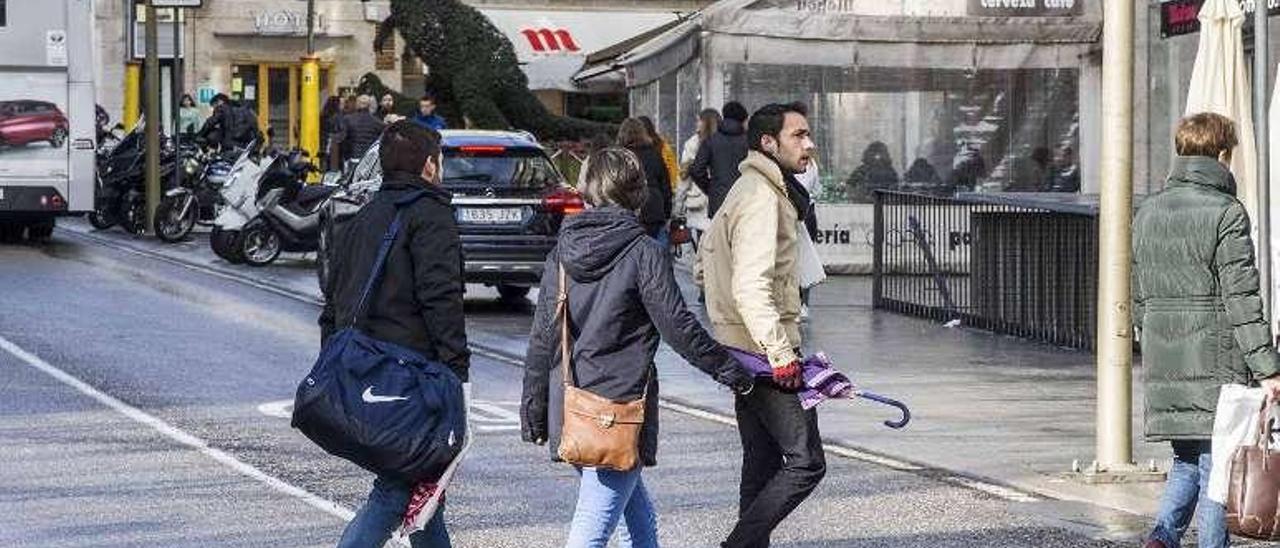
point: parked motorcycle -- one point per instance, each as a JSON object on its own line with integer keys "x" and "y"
{"x": 288, "y": 216}
{"x": 120, "y": 198}
{"x": 239, "y": 196}
{"x": 198, "y": 200}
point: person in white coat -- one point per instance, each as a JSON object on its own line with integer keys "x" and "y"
{"x": 690, "y": 202}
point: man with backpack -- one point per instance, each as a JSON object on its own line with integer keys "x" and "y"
{"x": 416, "y": 304}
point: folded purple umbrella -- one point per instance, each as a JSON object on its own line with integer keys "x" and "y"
{"x": 822, "y": 381}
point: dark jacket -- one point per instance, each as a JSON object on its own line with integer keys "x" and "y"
{"x": 435, "y": 121}
{"x": 1196, "y": 299}
{"x": 622, "y": 296}
{"x": 358, "y": 131}
{"x": 716, "y": 167}
{"x": 657, "y": 205}
{"x": 803, "y": 202}
{"x": 232, "y": 126}
{"x": 418, "y": 303}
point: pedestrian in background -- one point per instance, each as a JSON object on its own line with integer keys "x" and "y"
{"x": 426, "y": 115}
{"x": 359, "y": 130}
{"x": 387, "y": 109}
{"x": 189, "y": 118}
{"x": 749, "y": 260}
{"x": 656, "y": 209}
{"x": 668, "y": 153}
{"x": 1200, "y": 318}
{"x": 690, "y": 202}
{"x": 330, "y": 116}
{"x": 417, "y": 304}
{"x": 715, "y": 168}
{"x": 622, "y": 296}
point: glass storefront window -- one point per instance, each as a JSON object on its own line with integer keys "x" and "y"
{"x": 928, "y": 130}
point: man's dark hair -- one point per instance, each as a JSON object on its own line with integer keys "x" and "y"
{"x": 427, "y": 97}
{"x": 734, "y": 110}
{"x": 768, "y": 121}
{"x": 406, "y": 146}
{"x": 221, "y": 97}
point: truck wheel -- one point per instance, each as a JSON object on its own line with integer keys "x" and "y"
{"x": 40, "y": 231}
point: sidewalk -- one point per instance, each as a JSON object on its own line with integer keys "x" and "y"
{"x": 984, "y": 406}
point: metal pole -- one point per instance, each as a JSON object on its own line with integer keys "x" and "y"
{"x": 176, "y": 73}
{"x": 311, "y": 27}
{"x": 1261, "y": 66}
{"x": 309, "y": 124}
{"x": 132, "y": 83}
{"x": 1115, "y": 318}
{"x": 153, "y": 117}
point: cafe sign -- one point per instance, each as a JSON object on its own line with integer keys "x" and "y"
{"x": 1178, "y": 17}
{"x": 1026, "y": 8}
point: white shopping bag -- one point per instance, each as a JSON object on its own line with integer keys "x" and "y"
{"x": 809, "y": 268}
{"x": 1235, "y": 423}
{"x": 418, "y": 521}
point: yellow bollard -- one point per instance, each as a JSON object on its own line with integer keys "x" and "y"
{"x": 132, "y": 94}
{"x": 309, "y": 125}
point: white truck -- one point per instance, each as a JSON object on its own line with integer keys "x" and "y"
{"x": 47, "y": 114}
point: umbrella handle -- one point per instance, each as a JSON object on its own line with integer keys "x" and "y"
{"x": 906, "y": 413}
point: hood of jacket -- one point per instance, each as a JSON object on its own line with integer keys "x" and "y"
{"x": 729, "y": 126}
{"x": 1202, "y": 171}
{"x": 593, "y": 241}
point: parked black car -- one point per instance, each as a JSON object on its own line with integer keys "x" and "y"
{"x": 509, "y": 201}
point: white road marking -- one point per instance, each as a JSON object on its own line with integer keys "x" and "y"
{"x": 178, "y": 435}
{"x": 282, "y": 409}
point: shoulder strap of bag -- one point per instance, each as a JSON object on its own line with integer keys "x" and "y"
{"x": 379, "y": 264}
{"x": 566, "y": 339}
{"x": 566, "y": 342}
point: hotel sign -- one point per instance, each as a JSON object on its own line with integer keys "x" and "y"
{"x": 1178, "y": 17}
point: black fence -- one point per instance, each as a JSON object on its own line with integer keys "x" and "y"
{"x": 1024, "y": 265}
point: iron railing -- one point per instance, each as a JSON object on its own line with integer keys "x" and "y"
{"x": 1020, "y": 265}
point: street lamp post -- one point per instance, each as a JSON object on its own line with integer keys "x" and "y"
{"x": 1261, "y": 64}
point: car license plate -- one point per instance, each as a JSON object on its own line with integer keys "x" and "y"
{"x": 490, "y": 216}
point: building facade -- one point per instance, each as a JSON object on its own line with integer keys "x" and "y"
{"x": 251, "y": 49}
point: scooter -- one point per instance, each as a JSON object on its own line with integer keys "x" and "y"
{"x": 239, "y": 196}
{"x": 288, "y": 211}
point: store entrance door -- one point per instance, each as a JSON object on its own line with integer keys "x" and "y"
{"x": 274, "y": 91}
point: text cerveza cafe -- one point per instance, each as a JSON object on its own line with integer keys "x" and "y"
{"x": 1178, "y": 17}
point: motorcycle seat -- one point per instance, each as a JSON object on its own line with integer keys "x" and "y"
{"x": 309, "y": 197}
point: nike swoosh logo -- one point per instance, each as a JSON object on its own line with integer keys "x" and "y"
{"x": 369, "y": 397}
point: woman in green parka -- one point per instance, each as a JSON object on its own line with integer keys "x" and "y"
{"x": 1199, "y": 317}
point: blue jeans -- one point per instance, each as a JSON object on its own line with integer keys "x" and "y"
{"x": 1188, "y": 487}
{"x": 381, "y": 515}
{"x": 605, "y": 497}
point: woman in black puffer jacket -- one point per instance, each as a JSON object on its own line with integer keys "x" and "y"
{"x": 656, "y": 211}
{"x": 622, "y": 296}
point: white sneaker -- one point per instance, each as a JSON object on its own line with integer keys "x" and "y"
{"x": 804, "y": 312}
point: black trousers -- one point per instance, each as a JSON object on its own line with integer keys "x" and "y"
{"x": 782, "y": 462}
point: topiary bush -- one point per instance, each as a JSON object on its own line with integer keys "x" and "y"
{"x": 475, "y": 75}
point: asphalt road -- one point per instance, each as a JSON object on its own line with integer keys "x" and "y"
{"x": 141, "y": 405}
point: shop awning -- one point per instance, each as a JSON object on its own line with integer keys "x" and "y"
{"x": 554, "y": 45}
{"x": 777, "y": 32}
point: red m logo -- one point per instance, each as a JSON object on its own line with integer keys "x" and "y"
{"x": 543, "y": 40}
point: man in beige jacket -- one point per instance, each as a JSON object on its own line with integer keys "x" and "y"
{"x": 753, "y": 300}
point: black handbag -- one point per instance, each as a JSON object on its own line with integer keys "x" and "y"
{"x": 380, "y": 405}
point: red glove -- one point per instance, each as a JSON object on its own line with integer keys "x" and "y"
{"x": 789, "y": 377}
